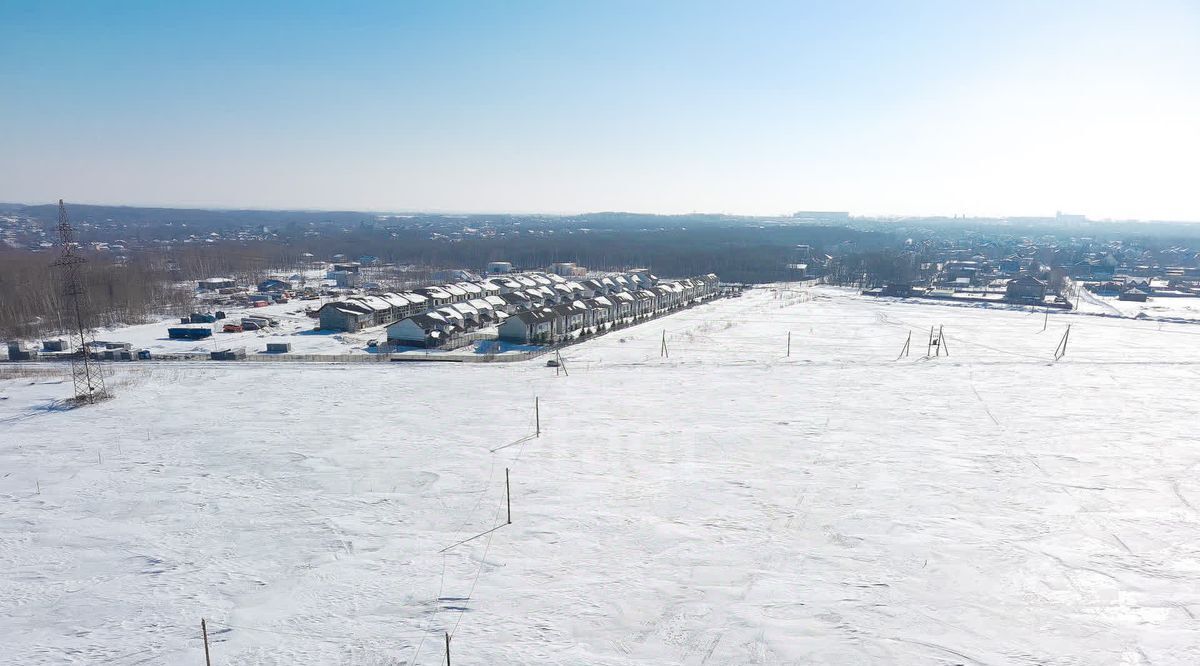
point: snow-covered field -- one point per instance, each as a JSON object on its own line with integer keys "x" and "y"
{"x": 725, "y": 505}
{"x": 1156, "y": 308}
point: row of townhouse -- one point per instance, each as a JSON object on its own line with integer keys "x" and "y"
{"x": 358, "y": 312}
{"x": 531, "y": 289}
{"x": 548, "y": 324}
{"x": 548, "y": 315}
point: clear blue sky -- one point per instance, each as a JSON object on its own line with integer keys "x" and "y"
{"x": 945, "y": 107}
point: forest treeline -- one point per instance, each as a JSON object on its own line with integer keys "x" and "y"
{"x": 32, "y": 305}
{"x": 147, "y": 283}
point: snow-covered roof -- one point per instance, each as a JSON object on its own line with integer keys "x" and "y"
{"x": 451, "y": 314}
{"x": 396, "y": 300}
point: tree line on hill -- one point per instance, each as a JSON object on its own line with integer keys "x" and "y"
{"x": 32, "y": 302}
{"x": 137, "y": 285}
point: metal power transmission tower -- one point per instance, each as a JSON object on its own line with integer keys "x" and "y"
{"x": 89, "y": 380}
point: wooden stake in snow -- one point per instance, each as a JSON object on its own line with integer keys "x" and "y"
{"x": 204, "y": 632}
{"x": 508, "y": 495}
{"x": 537, "y": 418}
{"x": 929, "y": 346}
{"x": 1046, "y": 321}
{"x": 942, "y": 347}
{"x": 789, "y": 347}
{"x": 905, "y": 349}
{"x": 1061, "y": 350}
{"x": 662, "y": 352}
{"x": 447, "y": 648}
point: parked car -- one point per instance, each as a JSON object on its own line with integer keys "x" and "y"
{"x": 232, "y": 328}
{"x": 250, "y": 326}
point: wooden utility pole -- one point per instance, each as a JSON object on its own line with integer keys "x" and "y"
{"x": 204, "y": 632}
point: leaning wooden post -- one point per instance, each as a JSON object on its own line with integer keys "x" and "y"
{"x": 789, "y": 347}
{"x": 447, "y": 648}
{"x": 204, "y": 632}
{"x": 1046, "y": 321}
{"x": 942, "y": 343}
{"x": 508, "y": 495}
{"x": 929, "y": 345}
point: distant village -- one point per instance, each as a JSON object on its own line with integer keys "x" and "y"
{"x": 1048, "y": 274}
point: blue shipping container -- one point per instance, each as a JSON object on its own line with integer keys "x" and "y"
{"x": 189, "y": 333}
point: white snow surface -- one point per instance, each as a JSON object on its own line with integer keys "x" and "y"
{"x": 725, "y": 505}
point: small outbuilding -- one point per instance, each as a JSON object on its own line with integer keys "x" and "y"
{"x": 1134, "y": 294}
{"x": 1025, "y": 289}
{"x": 274, "y": 286}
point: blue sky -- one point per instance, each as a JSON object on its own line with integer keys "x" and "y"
{"x": 998, "y": 108}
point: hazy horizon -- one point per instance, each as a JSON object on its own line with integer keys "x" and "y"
{"x": 853, "y": 214}
{"x": 1008, "y": 109}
